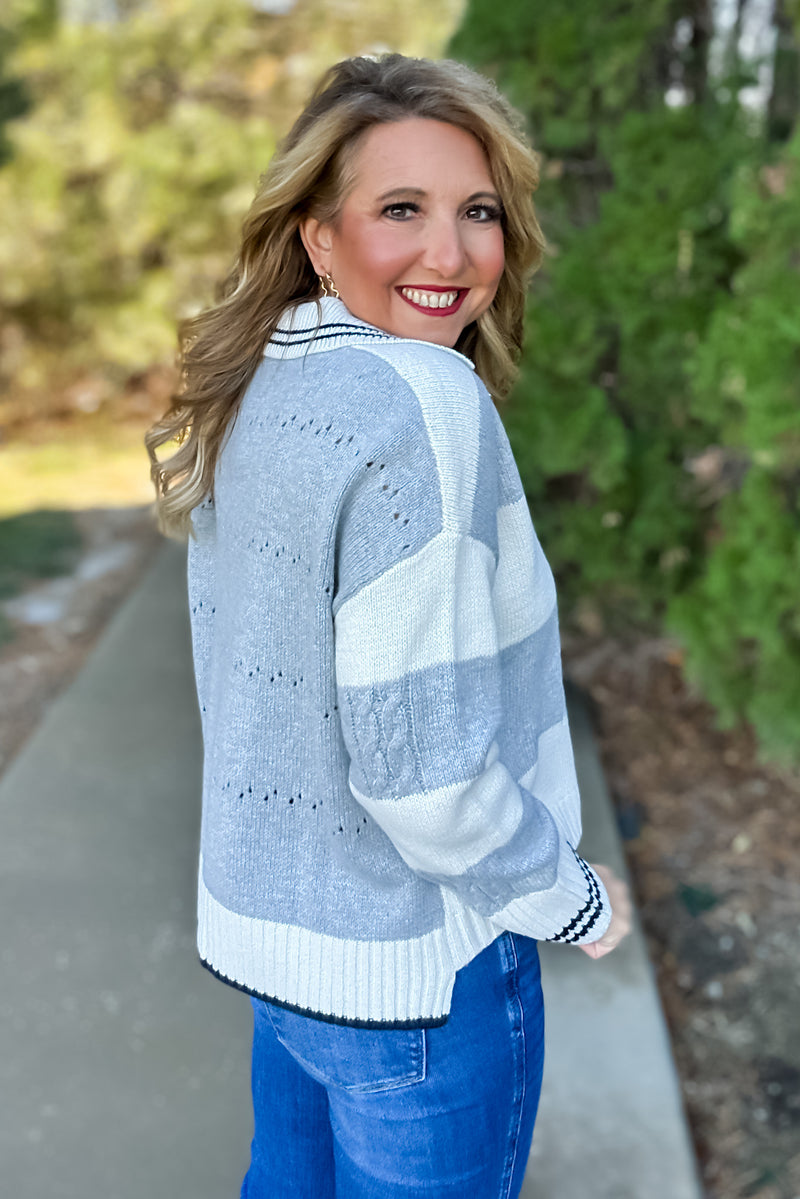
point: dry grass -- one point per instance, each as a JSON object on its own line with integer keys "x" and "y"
{"x": 99, "y": 467}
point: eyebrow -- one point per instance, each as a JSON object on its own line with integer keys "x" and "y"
{"x": 421, "y": 193}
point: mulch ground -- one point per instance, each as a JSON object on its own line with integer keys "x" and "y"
{"x": 712, "y": 839}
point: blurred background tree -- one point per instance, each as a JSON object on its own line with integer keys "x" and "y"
{"x": 125, "y": 187}
{"x": 149, "y": 125}
{"x": 656, "y": 420}
{"x": 13, "y": 98}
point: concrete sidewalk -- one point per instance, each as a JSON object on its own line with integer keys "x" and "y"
{"x": 124, "y": 1065}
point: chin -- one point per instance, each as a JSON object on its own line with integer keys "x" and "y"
{"x": 437, "y": 337}
{"x": 443, "y": 340}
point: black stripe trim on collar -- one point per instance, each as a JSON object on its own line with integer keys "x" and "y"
{"x": 296, "y": 337}
{"x": 317, "y": 325}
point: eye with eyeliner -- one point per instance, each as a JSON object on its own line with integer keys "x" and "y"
{"x": 404, "y": 206}
{"x": 489, "y": 213}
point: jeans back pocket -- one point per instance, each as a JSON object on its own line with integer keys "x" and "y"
{"x": 360, "y": 1060}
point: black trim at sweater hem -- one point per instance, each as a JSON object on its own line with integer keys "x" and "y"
{"x": 385, "y": 1025}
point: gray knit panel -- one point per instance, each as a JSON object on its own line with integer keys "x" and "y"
{"x": 283, "y": 839}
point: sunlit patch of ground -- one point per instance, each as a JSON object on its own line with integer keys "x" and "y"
{"x": 107, "y": 467}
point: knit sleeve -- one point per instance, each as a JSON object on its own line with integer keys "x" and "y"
{"x": 425, "y": 685}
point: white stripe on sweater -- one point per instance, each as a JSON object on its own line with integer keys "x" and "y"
{"x": 432, "y": 607}
{"x": 445, "y": 604}
{"x": 520, "y": 612}
{"x": 449, "y": 829}
{"x": 553, "y": 779}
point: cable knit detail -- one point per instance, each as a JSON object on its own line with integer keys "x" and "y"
{"x": 396, "y": 731}
{"x": 367, "y": 719}
{"x": 380, "y": 726}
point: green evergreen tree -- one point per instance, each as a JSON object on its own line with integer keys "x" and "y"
{"x": 635, "y": 200}
{"x": 740, "y": 620}
{"x": 655, "y": 420}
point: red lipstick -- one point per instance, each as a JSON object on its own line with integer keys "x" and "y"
{"x": 454, "y": 307}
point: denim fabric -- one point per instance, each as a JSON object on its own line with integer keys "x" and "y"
{"x": 404, "y": 1113}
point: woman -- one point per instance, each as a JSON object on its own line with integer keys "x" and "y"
{"x": 390, "y": 811}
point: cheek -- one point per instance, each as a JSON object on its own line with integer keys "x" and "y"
{"x": 376, "y": 256}
{"x": 495, "y": 258}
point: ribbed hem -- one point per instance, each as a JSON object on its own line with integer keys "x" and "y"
{"x": 301, "y": 1011}
{"x": 402, "y": 984}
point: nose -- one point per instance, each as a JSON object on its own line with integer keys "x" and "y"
{"x": 444, "y": 251}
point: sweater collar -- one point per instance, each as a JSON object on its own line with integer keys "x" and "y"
{"x": 326, "y": 324}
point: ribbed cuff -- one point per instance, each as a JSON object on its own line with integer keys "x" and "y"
{"x": 574, "y": 911}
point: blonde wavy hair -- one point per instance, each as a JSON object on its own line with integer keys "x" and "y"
{"x": 310, "y": 175}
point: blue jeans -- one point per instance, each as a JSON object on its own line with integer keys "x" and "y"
{"x": 414, "y": 1113}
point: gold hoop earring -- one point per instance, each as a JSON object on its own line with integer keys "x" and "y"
{"x": 329, "y": 287}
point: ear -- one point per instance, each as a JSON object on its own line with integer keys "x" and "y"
{"x": 318, "y": 241}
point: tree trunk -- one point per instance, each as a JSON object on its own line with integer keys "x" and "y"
{"x": 696, "y": 69}
{"x": 784, "y": 100}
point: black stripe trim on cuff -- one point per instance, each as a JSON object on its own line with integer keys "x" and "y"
{"x": 589, "y": 914}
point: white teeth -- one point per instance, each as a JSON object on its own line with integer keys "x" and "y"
{"x": 430, "y": 299}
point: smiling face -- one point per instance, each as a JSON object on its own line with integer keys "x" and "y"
{"x": 417, "y": 247}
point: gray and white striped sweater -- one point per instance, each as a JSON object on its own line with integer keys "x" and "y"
{"x": 388, "y": 774}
